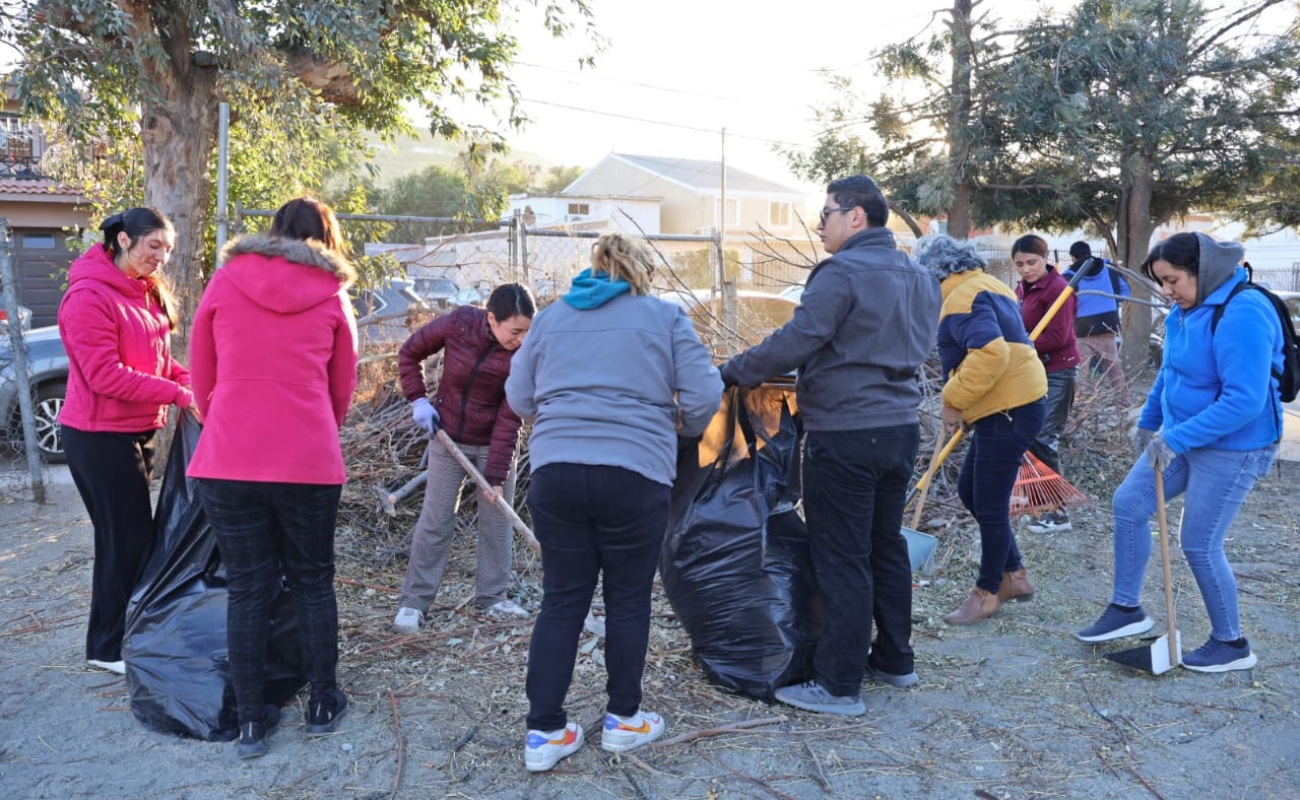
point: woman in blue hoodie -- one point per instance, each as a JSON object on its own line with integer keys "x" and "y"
{"x": 613, "y": 376}
{"x": 1211, "y": 425}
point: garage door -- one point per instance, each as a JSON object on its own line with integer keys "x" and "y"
{"x": 41, "y": 260}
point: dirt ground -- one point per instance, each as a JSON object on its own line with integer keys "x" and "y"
{"x": 1012, "y": 708}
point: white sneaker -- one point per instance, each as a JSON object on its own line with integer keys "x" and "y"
{"x": 408, "y": 620}
{"x": 625, "y": 733}
{"x": 112, "y": 666}
{"x": 544, "y": 750}
{"x": 507, "y": 608}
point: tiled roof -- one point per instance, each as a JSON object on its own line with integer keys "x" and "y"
{"x": 39, "y": 186}
{"x": 705, "y": 174}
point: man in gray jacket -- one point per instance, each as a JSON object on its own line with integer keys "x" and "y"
{"x": 865, "y": 324}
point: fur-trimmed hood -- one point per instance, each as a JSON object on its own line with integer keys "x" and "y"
{"x": 284, "y": 275}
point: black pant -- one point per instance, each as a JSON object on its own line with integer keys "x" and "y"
{"x": 263, "y": 529}
{"x": 112, "y": 472}
{"x": 855, "y": 487}
{"x": 592, "y": 521}
{"x": 987, "y": 477}
{"x": 1046, "y": 447}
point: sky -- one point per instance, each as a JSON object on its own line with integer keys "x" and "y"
{"x": 676, "y": 72}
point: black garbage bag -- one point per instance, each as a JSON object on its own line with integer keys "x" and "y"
{"x": 177, "y": 669}
{"x": 735, "y": 563}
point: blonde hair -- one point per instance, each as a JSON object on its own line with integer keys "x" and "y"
{"x": 624, "y": 258}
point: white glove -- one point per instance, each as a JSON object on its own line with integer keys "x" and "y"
{"x": 425, "y": 415}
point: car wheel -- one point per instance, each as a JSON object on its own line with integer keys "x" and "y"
{"x": 49, "y": 437}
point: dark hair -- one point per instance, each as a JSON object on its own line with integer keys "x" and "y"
{"x": 1080, "y": 250}
{"x": 861, "y": 191}
{"x": 137, "y": 223}
{"x": 1182, "y": 250}
{"x": 1030, "y": 243}
{"x": 306, "y": 218}
{"x": 511, "y": 300}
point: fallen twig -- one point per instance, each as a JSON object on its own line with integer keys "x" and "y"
{"x": 738, "y": 726}
{"x": 401, "y": 746}
{"x": 818, "y": 772}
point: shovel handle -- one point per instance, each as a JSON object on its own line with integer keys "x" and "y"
{"x": 922, "y": 487}
{"x": 1162, "y": 517}
{"x": 502, "y": 503}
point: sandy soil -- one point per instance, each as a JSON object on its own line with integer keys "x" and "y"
{"x": 1013, "y": 708}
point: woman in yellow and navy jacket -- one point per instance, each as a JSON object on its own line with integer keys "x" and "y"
{"x": 995, "y": 389}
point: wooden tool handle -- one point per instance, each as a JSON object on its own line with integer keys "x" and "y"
{"x": 502, "y": 503}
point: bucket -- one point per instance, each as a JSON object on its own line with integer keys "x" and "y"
{"x": 920, "y": 550}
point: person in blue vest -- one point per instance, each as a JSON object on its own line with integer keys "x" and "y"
{"x": 1097, "y": 323}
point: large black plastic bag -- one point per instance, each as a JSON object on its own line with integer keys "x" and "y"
{"x": 735, "y": 563}
{"x": 177, "y": 669}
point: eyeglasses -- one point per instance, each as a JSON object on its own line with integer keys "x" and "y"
{"x": 826, "y": 212}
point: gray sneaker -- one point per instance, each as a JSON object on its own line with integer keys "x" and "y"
{"x": 811, "y": 696}
{"x": 897, "y": 681}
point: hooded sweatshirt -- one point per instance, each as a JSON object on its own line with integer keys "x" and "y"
{"x": 121, "y": 374}
{"x": 1098, "y": 314}
{"x": 1217, "y": 390}
{"x": 274, "y": 357}
{"x": 610, "y": 375}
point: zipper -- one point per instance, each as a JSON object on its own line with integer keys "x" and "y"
{"x": 469, "y": 383}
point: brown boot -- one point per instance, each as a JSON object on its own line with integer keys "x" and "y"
{"x": 1016, "y": 586}
{"x": 979, "y": 606}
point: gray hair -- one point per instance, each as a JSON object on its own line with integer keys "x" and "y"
{"x": 944, "y": 255}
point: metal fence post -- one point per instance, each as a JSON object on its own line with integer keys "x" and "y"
{"x": 18, "y": 348}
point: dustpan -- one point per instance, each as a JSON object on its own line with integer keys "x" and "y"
{"x": 1165, "y": 652}
{"x": 920, "y": 550}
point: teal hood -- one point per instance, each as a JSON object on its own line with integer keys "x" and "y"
{"x": 592, "y": 290}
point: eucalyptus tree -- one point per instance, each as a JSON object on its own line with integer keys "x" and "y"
{"x": 1133, "y": 113}
{"x": 158, "y": 71}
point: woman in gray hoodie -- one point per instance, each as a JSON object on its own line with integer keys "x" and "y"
{"x": 612, "y": 376}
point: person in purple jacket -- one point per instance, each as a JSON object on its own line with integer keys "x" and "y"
{"x": 1040, "y": 285}
{"x": 470, "y": 405}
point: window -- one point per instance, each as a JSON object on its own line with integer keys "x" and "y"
{"x": 779, "y": 215}
{"x": 38, "y": 241}
{"x": 579, "y": 209}
{"x": 733, "y": 212}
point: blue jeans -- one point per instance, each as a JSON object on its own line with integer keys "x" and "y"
{"x": 1046, "y": 447}
{"x": 592, "y": 521}
{"x": 1216, "y": 483}
{"x": 263, "y": 529}
{"x": 855, "y": 487}
{"x": 988, "y": 474}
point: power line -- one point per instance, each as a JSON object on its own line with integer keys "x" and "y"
{"x": 678, "y": 125}
{"x": 657, "y": 88}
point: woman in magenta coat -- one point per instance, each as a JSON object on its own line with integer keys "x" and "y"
{"x": 274, "y": 353}
{"x": 116, "y": 322}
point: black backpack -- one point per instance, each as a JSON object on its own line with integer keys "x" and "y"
{"x": 1289, "y": 378}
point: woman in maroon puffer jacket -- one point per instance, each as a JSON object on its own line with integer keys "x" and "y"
{"x": 470, "y": 405}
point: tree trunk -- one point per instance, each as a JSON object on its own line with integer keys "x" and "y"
{"x": 959, "y": 213}
{"x": 1135, "y": 229}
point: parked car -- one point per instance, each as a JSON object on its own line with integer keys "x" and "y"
{"x": 24, "y": 319}
{"x": 47, "y": 363}
{"x": 383, "y": 310}
{"x": 439, "y": 293}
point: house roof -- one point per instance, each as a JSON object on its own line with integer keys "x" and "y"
{"x": 705, "y": 175}
{"x": 41, "y": 187}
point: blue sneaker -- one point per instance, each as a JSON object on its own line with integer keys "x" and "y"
{"x": 625, "y": 733}
{"x": 1217, "y": 656}
{"x": 543, "y": 750}
{"x": 1116, "y": 623}
{"x": 811, "y": 696}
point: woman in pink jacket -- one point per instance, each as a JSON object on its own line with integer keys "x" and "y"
{"x": 274, "y": 353}
{"x": 116, "y": 322}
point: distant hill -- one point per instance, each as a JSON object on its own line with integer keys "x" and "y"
{"x": 408, "y": 154}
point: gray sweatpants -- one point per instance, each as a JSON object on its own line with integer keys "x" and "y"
{"x": 431, "y": 538}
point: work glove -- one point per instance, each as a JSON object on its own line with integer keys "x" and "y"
{"x": 1160, "y": 453}
{"x": 1141, "y": 438}
{"x": 425, "y": 415}
{"x": 728, "y": 380}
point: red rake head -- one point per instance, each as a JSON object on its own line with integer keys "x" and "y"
{"x": 1039, "y": 490}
